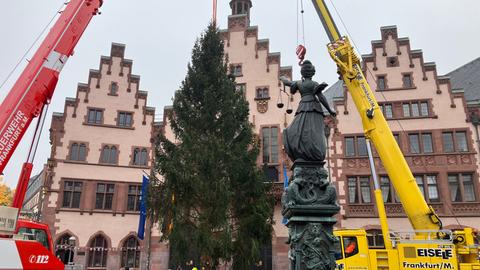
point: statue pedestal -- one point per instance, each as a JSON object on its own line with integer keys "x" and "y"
{"x": 309, "y": 205}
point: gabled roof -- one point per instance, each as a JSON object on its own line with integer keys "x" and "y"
{"x": 467, "y": 78}
{"x": 334, "y": 92}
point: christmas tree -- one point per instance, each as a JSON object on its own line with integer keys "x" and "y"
{"x": 213, "y": 202}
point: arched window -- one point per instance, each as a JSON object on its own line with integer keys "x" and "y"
{"x": 131, "y": 253}
{"x": 63, "y": 250}
{"x": 97, "y": 255}
{"x": 136, "y": 156}
{"x": 105, "y": 154}
{"x": 113, "y": 89}
{"x": 78, "y": 151}
{"x": 113, "y": 155}
{"x": 74, "y": 151}
{"x": 143, "y": 157}
{"x": 140, "y": 156}
{"x": 109, "y": 154}
{"x": 82, "y": 149}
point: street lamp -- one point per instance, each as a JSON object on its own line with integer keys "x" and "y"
{"x": 71, "y": 243}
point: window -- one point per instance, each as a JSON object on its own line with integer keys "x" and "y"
{"x": 131, "y": 253}
{"x": 133, "y": 200}
{"x": 33, "y": 234}
{"x": 270, "y": 144}
{"x": 95, "y": 116}
{"x": 355, "y": 146}
{"x": 362, "y": 146}
{"x": 406, "y": 110}
{"x": 428, "y": 186}
{"x": 72, "y": 191}
{"x": 414, "y": 143}
{"x": 447, "y": 138}
{"x": 109, "y": 154}
{"x": 236, "y": 70}
{"x": 461, "y": 141}
{"x": 63, "y": 250}
{"x": 427, "y": 143}
{"x": 262, "y": 93}
{"x": 386, "y": 190}
{"x": 242, "y": 88}
{"x": 417, "y": 147}
{"x": 424, "y": 109}
{"x": 104, "y": 197}
{"x": 113, "y": 89}
{"x": 271, "y": 173}
{"x": 78, "y": 151}
{"x": 124, "y": 119}
{"x": 365, "y": 189}
{"x": 350, "y": 246}
{"x": 97, "y": 256}
{"x": 407, "y": 81}
{"x": 415, "y": 109}
{"x": 462, "y": 188}
{"x": 388, "y": 112}
{"x": 359, "y": 190}
{"x": 381, "y": 83}
{"x": 140, "y": 156}
{"x": 375, "y": 239}
{"x": 349, "y": 147}
{"x": 459, "y": 144}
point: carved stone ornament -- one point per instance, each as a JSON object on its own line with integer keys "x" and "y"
{"x": 262, "y": 106}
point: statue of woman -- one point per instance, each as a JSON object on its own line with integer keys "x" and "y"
{"x": 304, "y": 139}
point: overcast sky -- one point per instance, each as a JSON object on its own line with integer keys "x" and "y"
{"x": 159, "y": 36}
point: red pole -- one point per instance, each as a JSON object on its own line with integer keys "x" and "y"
{"x": 215, "y": 12}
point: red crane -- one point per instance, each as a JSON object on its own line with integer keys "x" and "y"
{"x": 27, "y": 99}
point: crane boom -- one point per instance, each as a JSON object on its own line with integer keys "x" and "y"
{"x": 36, "y": 84}
{"x": 420, "y": 214}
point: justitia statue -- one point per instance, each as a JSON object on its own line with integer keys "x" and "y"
{"x": 304, "y": 139}
{"x": 309, "y": 202}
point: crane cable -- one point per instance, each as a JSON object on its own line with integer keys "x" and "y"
{"x": 59, "y": 11}
{"x": 385, "y": 99}
{"x": 301, "y": 50}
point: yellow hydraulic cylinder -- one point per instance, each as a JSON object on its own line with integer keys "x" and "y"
{"x": 379, "y": 199}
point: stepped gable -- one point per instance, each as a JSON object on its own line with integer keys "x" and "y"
{"x": 94, "y": 78}
{"x": 273, "y": 58}
{"x": 392, "y": 60}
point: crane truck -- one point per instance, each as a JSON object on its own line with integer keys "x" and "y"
{"x": 429, "y": 246}
{"x": 28, "y": 99}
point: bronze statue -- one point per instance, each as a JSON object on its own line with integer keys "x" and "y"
{"x": 304, "y": 139}
{"x": 309, "y": 202}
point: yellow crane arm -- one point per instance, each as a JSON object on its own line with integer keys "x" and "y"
{"x": 421, "y": 216}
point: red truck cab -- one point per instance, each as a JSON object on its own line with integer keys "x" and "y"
{"x": 39, "y": 232}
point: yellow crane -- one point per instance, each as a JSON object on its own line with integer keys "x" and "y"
{"x": 429, "y": 247}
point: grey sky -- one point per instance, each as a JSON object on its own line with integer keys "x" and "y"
{"x": 159, "y": 36}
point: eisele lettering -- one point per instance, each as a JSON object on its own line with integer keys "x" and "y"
{"x": 435, "y": 252}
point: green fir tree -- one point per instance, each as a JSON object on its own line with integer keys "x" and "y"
{"x": 213, "y": 202}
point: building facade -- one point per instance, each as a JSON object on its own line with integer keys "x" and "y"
{"x": 101, "y": 147}
{"x": 429, "y": 120}
{"x": 33, "y": 196}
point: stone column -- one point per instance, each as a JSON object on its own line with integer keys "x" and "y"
{"x": 309, "y": 204}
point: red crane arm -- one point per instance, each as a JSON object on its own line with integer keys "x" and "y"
{"x": 35, "y": 86}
